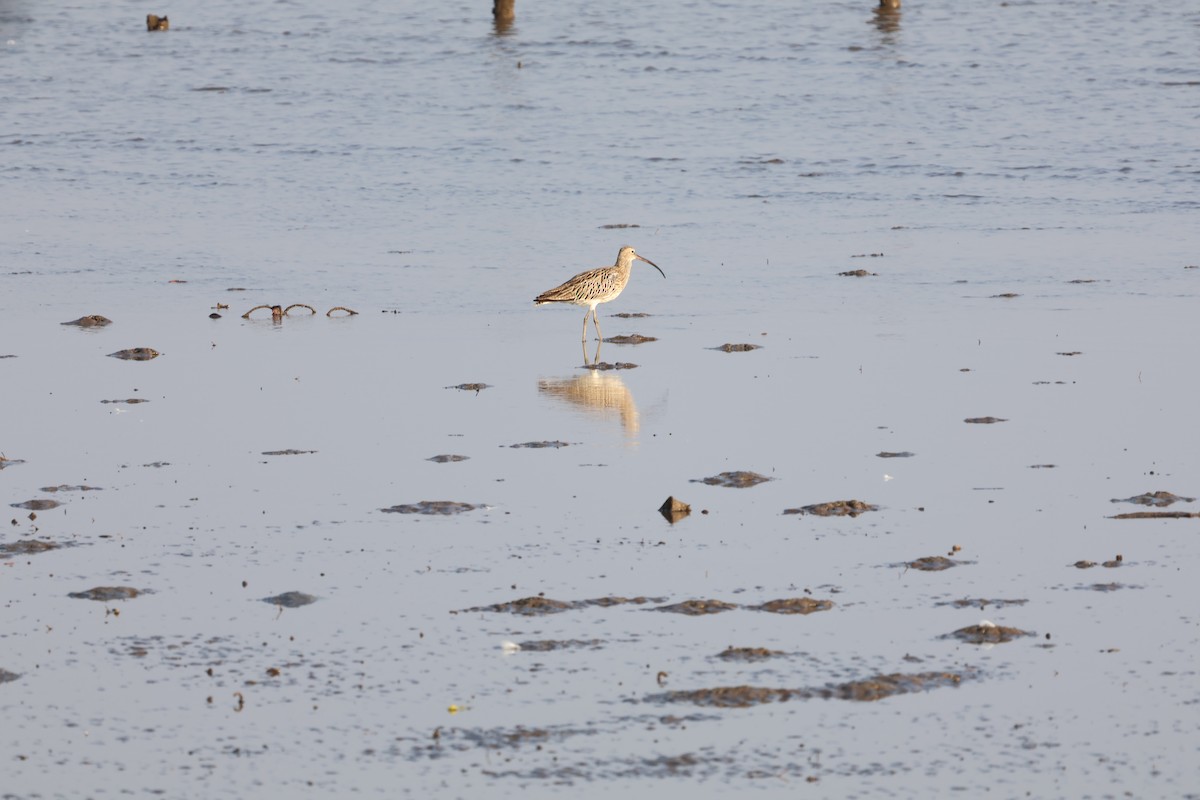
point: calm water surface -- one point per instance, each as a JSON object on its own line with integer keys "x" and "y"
{"x": 435, "y": 174}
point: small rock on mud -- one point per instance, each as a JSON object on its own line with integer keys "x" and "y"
{"x": 1156, "y": 499}
{"x": 136, "y": 354}
{"x": 90, "y": 321}
{"x": 446, "y": 458}
{"x": 537, "y": 445}
{"x": 37, "y": 505}
{"x": 984, "y": 420}
{"x": 734, "y": 480}
{"x": 290, "y": 599}
{"x": 674, "y": 510}
{"x": 696, "y": 608}
{"x": 442, "y": 507}
{"x": 633, "y": 338}
{"x": 106, "y": 593}
{"x": 737, "y": 348}
{"x": 794, "y": 605}
{"x": 835, "y": 508}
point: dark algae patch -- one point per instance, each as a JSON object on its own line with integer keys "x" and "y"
{"x": 982, "y": 602}
{"x": 107, "y": 593}
{"x": 984, "y": 420}
{"x": 1158, "y": 515}
{"x": 867, "y": 690}
{"x": 858, "y": 273}
{"x": 446, "y": 459}
{"x": 931, "y": 563}
{"x": 471, "y": 387}
{"x": 439, "y": 507}
{"x": 288, "y": 452}
{"x": 734, "y": 480}
{"x": 26, "y": 547}
{"x": 834, "y": 508}
{"x": 539, "y": 605}
{"x": 548, "y": 645}
{"x": 902, "y": 454}
{"x": 604, "y": 366}
{"x": 632, "y": 338}
{"x": 290, "y": 599}
{"x": 539, "y": 445}
{"x": 737, "y": 348}
{"x": 62, "y": 487}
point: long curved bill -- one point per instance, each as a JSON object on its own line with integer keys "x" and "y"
{"x": 651, "y": 263}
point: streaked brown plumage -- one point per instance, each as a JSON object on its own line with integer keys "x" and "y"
{"x": 596, "y": 286}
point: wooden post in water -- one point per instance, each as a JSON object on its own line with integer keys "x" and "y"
{"x": 504, "y": 11}
{"x": 889, "y": 3}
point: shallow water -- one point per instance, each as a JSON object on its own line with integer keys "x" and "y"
{"x": 403, "y": 164}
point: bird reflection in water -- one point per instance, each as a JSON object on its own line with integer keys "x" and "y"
{"x": 599, "y": 393}
{"x": 887, "y": 18}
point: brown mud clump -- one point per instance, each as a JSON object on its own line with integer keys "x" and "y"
{"x": 987, "y": 633}
{"x": 734, "y": 480}
{"x": 290, "y": 599}
{"x": 90, "y": 321}
{"x": 633, "y": 338}
{"x": 931, "y": 563}
{"x": 794, "y": 605}
{"x": 737, "y": 348}
{"x": 106, "y": 593}
{"x": 446, "y": 458}
{"x": 674, "y": 510}
{"x": 438, "y": 507}
{"x": 835, "y": 508}
{"x": 136, "y": 354}
{"x": 157, "y": 23}
{"x": 748, "y": 653}
{"x": 1156, "y": 499}
{"x": 471, "y": 387}
{"x": 37, "y": 505}
{"x": 984, "y": 420}
{"x": 697, "y": 608}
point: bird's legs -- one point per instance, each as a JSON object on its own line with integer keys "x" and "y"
{"x": 596, "y": 322}
{"x": 585, "y": 316}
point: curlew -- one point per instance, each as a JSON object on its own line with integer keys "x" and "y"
{"x": 596, "y": 286}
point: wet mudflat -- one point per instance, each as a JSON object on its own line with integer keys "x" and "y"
{"x": 812, "y": 609}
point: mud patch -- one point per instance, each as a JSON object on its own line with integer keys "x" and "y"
{"x": 987, "y": 633}
{"x": 136, "y": 354}
{"x": 437, "y": 507}
{"x": 981, "y": 602}
{"x": 748, "y": 653}
{"x": 1005, "y": 296}
{"x": 471, "y": 387}
{"x": 984, "y": 420}
{"x": 37, "y": 505}
{"x": 6, "y": 676}
{"x": 27, "y": 547}
{"x": 290, "y": 599}
{"x": 288, "y": 452}
{"x": 629, "y": 315}
{"x": 1155, "y": 499}
{"x": 1157, "y": 515}
{"x": 132, "y": 401}
{"x": 794, "y": 605}
{"x": 901, "y": 454}
{"x": 858, "y": 273}
{"x": 90, "y": 321}
{"x": 106, "y": 594}
{"x": 1109, "y": 587}
{"x": 447, "y": 459}
{"x": 697, "y": 608}
{"x": 536, "y": 606}
{"x": 734, "y": 480}
{"x": 549, "y": 645}
{"x": 604, "y": 366}
{"x": 65, "y": 488}
{"x": 868, "y": 690}
{"x": 930, "y": 563}
{"x": 538, "y": 445}
{"x": 835, "y": 508}
{"x": 633, "y": 338}
{"x": 737, "y": 348}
